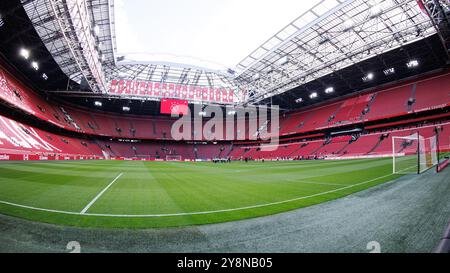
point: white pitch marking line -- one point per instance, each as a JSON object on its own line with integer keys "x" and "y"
{"x": 100, "y": 194}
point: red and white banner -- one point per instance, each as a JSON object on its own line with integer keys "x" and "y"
{"x": 172, "y": 90}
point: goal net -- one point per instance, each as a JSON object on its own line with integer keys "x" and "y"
{"x": 413, "y": 154}
{"x": 173, "y": 158}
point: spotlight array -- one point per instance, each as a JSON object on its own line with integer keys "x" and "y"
{"x": 26, "y": 54}
{"x": 366, "y": 78}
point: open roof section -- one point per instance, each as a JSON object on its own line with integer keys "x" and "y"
{"x": 324, "y": 40}
{"x": 220, "y": 31}
{"x": 203, "y": 39}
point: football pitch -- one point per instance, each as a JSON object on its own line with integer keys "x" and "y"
{"x": 138, "y": 194}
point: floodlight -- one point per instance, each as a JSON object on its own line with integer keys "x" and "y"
{"x": 24, "y": 53}
{"x": 313, "y": 95}
{"x": 368, "y": 77}
{"x": 412, "y": 64}
{"x": 329, "y": 90}
{"x": 98, "y": 103}
{"x": 35, "y": 65}
{"x": 389, "y": 71}
{"x": 126, "y": 108}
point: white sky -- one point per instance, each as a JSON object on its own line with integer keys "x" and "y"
{"x": 219, "y": 31}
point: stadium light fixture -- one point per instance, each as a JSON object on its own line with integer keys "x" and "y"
{"x": 313, "y": 95}
{"x": 44, "y": 76}
{"x": 298, "y": 100}
{"x": 202, "y": 113}
{"x": 231, "y": 112}
{"x": 368, "y": 77}
{"x": 389, "y": 71}
{"x": 329, "y": 90}
{"x": 412, "y": 64}
{"x": 35, "y": 65}
{"x": 98, "y": 103}
{"x": 24, "y": 53}
{"x": 126, "y": 109}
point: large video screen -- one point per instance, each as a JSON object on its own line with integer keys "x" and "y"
{"x": 171, "y": 106}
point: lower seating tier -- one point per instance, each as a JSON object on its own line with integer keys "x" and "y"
{"x": 20, "y": 139}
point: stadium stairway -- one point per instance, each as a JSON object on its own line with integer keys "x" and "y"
{"x": 380, "y": 140}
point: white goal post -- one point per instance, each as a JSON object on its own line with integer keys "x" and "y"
{"x": 413, "y": 154}
{"x": 174, "y": 158}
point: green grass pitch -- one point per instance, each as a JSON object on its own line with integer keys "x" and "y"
{"x": 168, "y": 194}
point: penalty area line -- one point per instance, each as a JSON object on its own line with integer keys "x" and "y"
{"x": 100, "y": 194}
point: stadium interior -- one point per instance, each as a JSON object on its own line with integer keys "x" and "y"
{"x": 344, "y": 90}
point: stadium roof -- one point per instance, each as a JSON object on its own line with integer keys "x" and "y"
{"x": 332, "y": 35}
{"x": 324, "y": 40}
{"x": 216, "y": 34}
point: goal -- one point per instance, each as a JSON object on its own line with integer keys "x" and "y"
{"x": 173, "y": 158}
{"x": 413, "y": 154}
